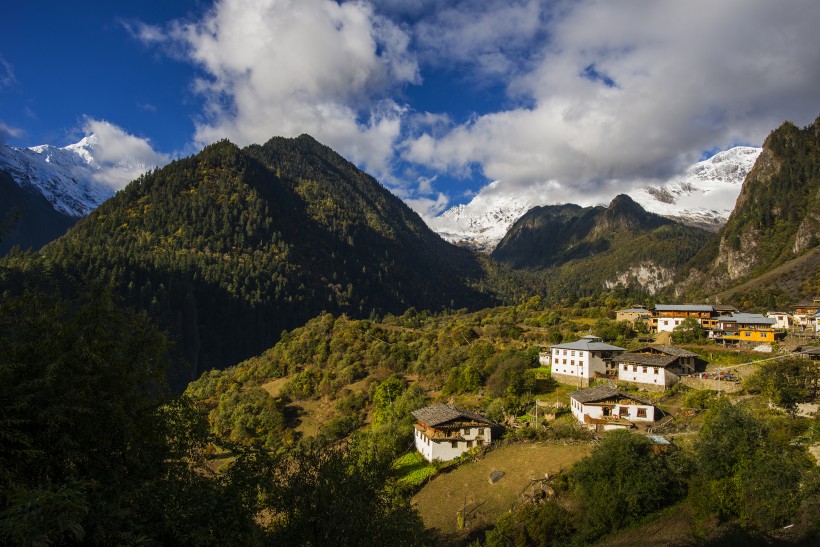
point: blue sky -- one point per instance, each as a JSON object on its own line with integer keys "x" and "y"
{"x": 567, "y": 100}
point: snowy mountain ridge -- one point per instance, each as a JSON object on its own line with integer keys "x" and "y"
{"x": 70, "y": 178}
{"x": 704, "y": 196}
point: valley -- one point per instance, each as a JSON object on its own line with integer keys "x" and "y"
{"x": 255, "y": 327}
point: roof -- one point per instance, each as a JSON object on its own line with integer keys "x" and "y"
{"x": 649, "y": 359}
{"x": 588, "y": 343}
{"x": 673, "y": 350}
{"x": 601, "y": 393}
{"x": 683, "y": 307}
{"x": 748, "y": 319}
{"x": 438, "y": 414}
{"x": 815, "y": 350}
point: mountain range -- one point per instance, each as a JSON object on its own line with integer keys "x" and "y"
{"x": 232, "y": 246}
{"x": 704, "y": 197}
{"x": 228, "y": 248}
{"x": 603, "y": 247}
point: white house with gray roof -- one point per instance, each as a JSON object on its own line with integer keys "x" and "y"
{"x": 603, "y": 408}
{"x": 577, "y": 362}
{"x": 443, "y": 432}
{"x": 656, "y": 367}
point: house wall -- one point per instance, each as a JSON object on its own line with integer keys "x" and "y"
{"x": 653, "y": 378}
{"x": 443, "y": 449}
{"x": 630, "y": 411}
{"x": 632, "y": 316}
{"x": 781, "y": 320}
{"x": 424, "y": 445}
{"x": 752, "y": 336}
{"x": 571, "y": 365}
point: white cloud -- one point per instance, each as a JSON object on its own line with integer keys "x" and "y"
{"x": 9, "y": 131}
{"x": 118, "y": 156}
{"x": 286, "y": 67}
{"x": 687, "y": 77}
{"x": 7, "y": 77}
{"x": 427, "y": 207}
{"x": 491, "y": 36}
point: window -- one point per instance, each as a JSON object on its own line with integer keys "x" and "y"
{"x": 572, "y": 362}
{"x": 572, "y": 353}
{"x": 565, "y": 352}
{"x": 634, "y": 368}
{"x": 655, "y": 369}
{"x": 641, "y": 413}
{"x": 626, "y": 368}
{"x": 469, "y": 444}
{"x": 645, "y": 370}
{"x": 453, "y": 444}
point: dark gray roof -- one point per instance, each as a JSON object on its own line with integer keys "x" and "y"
{"x": 810, "y": 350}
{"x": 673, "y": 350}
{"x": 748, "y": 319}
{"x": 438, "y": 414}
{"x": 601, "y": 393}
{"x": 649, "y": 359}
{"x": 588, "y": 343}
{"x": 683, "y": 307}
{"x": 656, "y": 355}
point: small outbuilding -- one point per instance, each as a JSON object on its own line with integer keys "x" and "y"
{"x": 444, "y": 432}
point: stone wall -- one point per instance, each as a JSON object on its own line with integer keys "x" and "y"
{"x": 708, "y": 383}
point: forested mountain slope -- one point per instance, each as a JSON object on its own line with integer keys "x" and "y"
{"x": 28, "y": 219}
{"x": 231, "y": 246}
{"x": 587, "y": 250}
{"x": 776, "y": 219}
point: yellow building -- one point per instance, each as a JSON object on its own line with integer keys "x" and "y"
{"x": 747, "y": 327}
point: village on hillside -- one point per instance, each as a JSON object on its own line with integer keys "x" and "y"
{"x": 614, "y": 386}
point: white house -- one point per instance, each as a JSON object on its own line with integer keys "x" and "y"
{"x": 655, "y": 367}
{"x": 669, "y": 316}
{"x": 782, "y": 319}
{"x": 577, "y": 362}
{"x": 604, "y": 408}
{"x": 443, "y": 432}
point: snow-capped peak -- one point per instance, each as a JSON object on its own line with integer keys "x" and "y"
{"x": 483, "y": 221}
{"x": 70, "y": 178}
{"x": 703, "y": 196}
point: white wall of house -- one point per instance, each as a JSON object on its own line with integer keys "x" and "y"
{"x": 667, "y": 324}
{"x": 634, "y": 412}
{"x": 578, "y": 363}
{"x": 445, "y": 450}
{"x": 640, "y": 374}
{"x": 781, "y": 320}
{"x": 424, "y": 445}
{"x": 577, "y": 410}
